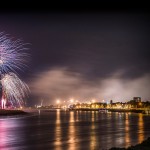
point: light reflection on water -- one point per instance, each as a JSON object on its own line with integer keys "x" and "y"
{"x": 127, "y": 130}
{"x": 8, "y": 133}
{"x": 92, "y": 133}
{"x": 71, "y": 130}
{"x": 3, "y": 134}
{"x": 140, "y": 128}
{"x": 58, "y": 130}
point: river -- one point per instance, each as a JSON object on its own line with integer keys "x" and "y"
{"x": 73, "y": 130}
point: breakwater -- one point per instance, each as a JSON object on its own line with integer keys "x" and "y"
{"x": 6, "y": 112}
{"x": 144, "y": 111}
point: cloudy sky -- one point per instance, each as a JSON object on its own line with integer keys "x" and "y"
{"x": 84, "y": 55}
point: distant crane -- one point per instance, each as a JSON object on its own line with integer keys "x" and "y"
{"x": 42, "y": 102}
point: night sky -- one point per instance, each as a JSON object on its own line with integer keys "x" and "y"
{"x": 83, "y": 55}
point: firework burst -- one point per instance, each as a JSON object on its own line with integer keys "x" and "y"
{"x": 12, "y": 59}
{"x": 14, "y": 89}
{"x": 12, "y": 54}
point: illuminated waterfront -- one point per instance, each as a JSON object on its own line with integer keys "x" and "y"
{"x": 71, "y": 130}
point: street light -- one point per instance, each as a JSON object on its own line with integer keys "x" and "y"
{"x": 58, "y": 101}
{"x": 71, "y": 100}
{"x": 93, "y": 100}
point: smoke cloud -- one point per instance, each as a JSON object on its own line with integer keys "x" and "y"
{"x": 60, "y": 83}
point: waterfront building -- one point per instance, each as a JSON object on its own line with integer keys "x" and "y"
{"x": 137, "y": 99}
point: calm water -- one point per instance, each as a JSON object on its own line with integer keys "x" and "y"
{"x": 74, "y": 130}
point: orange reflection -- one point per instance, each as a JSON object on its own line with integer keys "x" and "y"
{"x": 72, "y": 135}
{"x": 58, "y": 121}
{"x": 93, "y": 118}
{"x": 92, "y": 133}
{"x": 77, "y": 115}
{"x": 127, "y": 130}
{"x": 58, "y": 130}
{"x": 140, "y": 128}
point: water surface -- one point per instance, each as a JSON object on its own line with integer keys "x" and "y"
{"x": 73, "y": 130}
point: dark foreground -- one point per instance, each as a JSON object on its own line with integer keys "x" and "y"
{"x": 145, "y": 145}
{"x": 5, "y": 112}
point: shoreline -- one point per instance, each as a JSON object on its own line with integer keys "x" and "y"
{"x": 11, "y": 112}
{"x": 110, "y": 110}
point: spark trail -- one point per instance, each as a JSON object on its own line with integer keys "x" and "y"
{"x": 13, "y": 57}
{"x": 12, "y": 54}
{"x": 14, "y": 89}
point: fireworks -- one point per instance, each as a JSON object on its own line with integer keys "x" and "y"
{"x": 12, "y": 59}
{"x": 14, "y": 89}
{"x": 12, "y": 55}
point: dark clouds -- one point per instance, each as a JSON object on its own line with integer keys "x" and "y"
{"x": 94, "y": 44}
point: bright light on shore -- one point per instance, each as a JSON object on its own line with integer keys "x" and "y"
{"x": 58, "y": 101}
{"x": 71, "y": 100}
{"x": 93, "y": 100}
